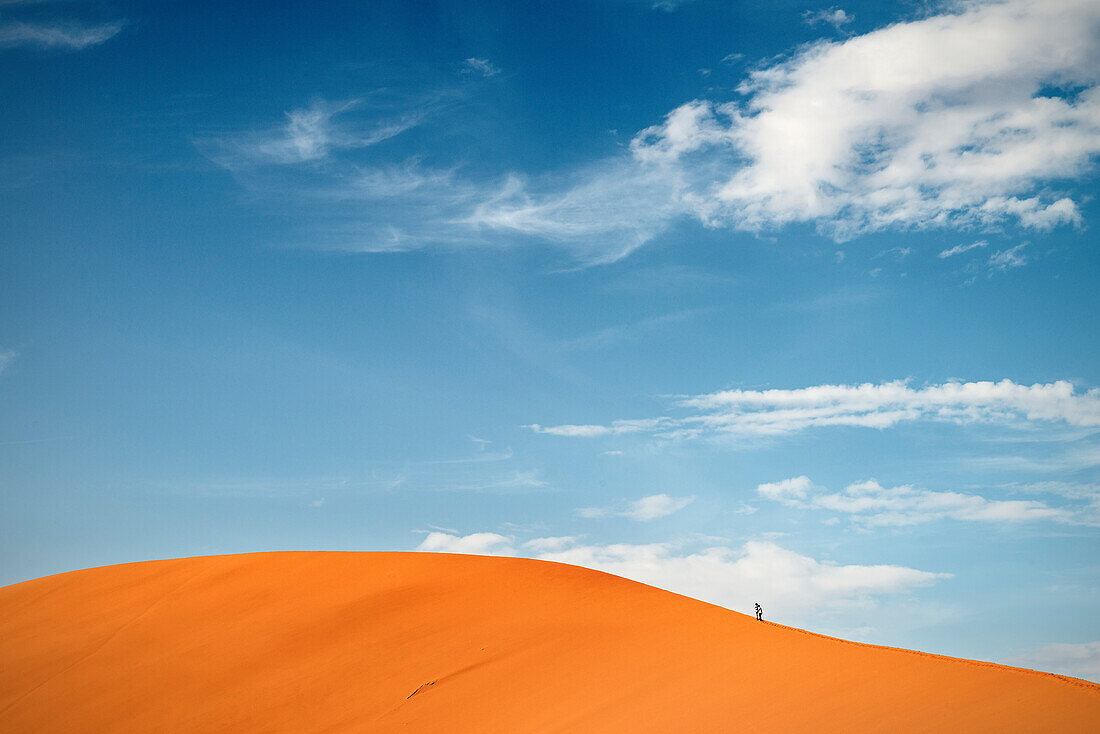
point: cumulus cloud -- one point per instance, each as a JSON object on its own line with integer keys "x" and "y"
{"x": 871, "y": 504}
{"x": 70, "y": 36}
{"x": 956, "y": 120}
{"x": 777, "y": 412}
{"x": 1080, "y": 660}
{"x": 642, "y": 510}
{"x": 482, "y": 544}
{"x": 483, "y": 67}
{"x": 787, "y": 489}
{"x": 791, "y": 586}
{"x": 836, "y": 17}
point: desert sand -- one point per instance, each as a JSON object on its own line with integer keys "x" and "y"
{"x": 419, "y": 642}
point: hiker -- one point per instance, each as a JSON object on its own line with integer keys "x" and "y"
{"x": 759, "y": 613}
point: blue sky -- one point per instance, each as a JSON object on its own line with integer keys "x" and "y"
{"x": 789, "y": 302}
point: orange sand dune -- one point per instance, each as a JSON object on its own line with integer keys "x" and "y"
{"x": 380, "y": 642}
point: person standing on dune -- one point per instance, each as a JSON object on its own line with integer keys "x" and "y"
{"x": 759, "y": 613}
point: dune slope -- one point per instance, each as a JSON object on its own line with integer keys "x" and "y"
{"x": 380, "y": 642}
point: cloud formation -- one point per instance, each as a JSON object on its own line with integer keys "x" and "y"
{"x": 871, "y": 504}
{"x": 480, "y": 66}
{"x": 960, "y": 249}
{"x": 869, "y": 405}
{"x": 957, "y": 120}
{"x": 307, "y": 134}
{"x": 1081, "y": 660}
{"x": 482, "y": 544}
{"x": 70, "y": 36}
{"x": 790, "y": 585}
{"x": 642, "y": 510}
{"x": 1010, "y": 258}
{"x": 834, "y": 16}
{"x": 979, "y": 118}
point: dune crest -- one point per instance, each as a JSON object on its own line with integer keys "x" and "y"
{"x": 380, "y": 642}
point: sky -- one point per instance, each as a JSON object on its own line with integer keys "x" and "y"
{"x": 775, "y": 302}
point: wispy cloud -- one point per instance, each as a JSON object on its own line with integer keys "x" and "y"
{"x": 898, "y": 253}
{"x": 6, "y": 358}
{"x": 669, "y": 5}
{"x": 777, "y": 412}
{"x": 1072, "y": 457}
{"x": 910, "y": 126}
{"x": 960, "y": 249}
{"x": 66, "y": 36}
{"x": 484, "y": 67}
{"x": 1081, "y": 660}
{"x": 788, "y": 583}
{"x": 551, "y": 544}
{"x": 836, "y": 17}
{"x": 871, "y": 504}
{"x": 1006, "y": 259}
{"x": 642, "y": 510}
{"x": 307, "y": 134}
{"x": 615, "y": 209}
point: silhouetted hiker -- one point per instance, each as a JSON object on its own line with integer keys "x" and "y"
{"x": 759, "y": 613}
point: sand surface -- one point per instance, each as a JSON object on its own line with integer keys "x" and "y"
{"x": 414, "y": 642}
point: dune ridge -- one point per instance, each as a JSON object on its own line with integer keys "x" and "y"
{"x": 380, "y": 642}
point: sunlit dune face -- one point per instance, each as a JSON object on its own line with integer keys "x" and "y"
{"x": 305, "y": 642}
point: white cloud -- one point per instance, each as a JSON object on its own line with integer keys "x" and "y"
{"x": 485, "y": 544}
{"x": 1011, "y": 258}
{"x": 934, "y": 122}
{"x": 836, "y": 17}
{"x": 777, "y": 412}
{"x": 946, "y": 121}
{"x": 308, "y": 134}
{"x": 872, "y": 504}
{"x": 971, "y": 119}
{"x": 642, "y": 510}
{"x": 6, "y": 358}
{"x": 899, "y": 253}
{"x": 1069, "y": 490}
{"x": 550, "y": 544}
{"x": 795, "y": 488}
{"x": 668, "y": 5}
{"x": 613, "y": 209}
{"x": 789, "y": 585}
{"x": 515, "y": 480}
{"x": 590, "y": 431}
{"x": 59, "y": 36}
{"x": 960, "y": 249}
{"x": 655, "y": 506}
{"x": 480, "y": 66}
{"x": 1080, "y": 660}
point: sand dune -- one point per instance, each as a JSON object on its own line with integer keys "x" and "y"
{"x": 380, "y": 642}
